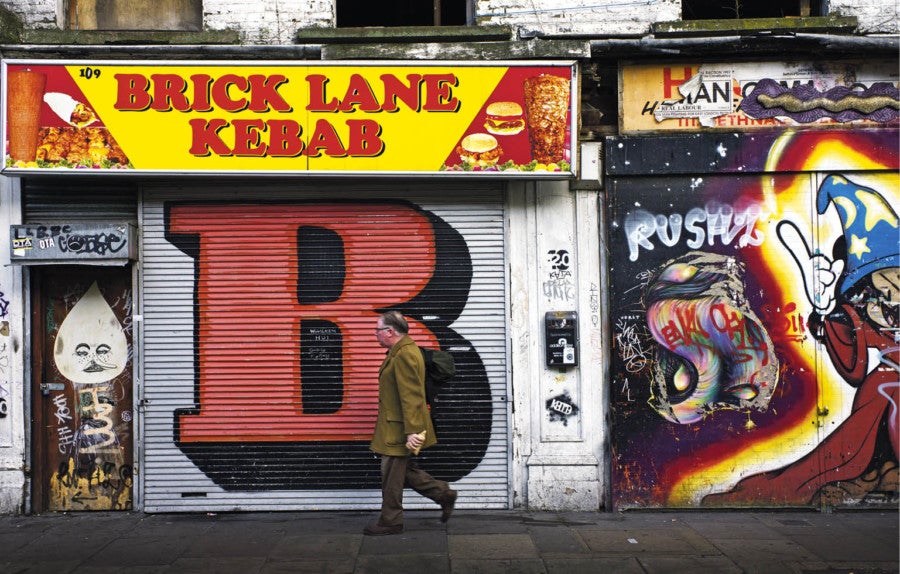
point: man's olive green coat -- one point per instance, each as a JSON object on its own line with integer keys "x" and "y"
{"x": 401, "y": 400}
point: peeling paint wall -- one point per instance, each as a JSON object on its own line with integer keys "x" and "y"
{"x": 275, "y": 21}
{"x": 559, "y": 430}
{"x": 269, "y": 21}
{"x": 561, "y": 17}
{"x": 12, "y": 412}
{"x": 36, "y": 14}
{"x": 875, "y": 16}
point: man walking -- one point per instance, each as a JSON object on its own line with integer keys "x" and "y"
{"x": 403, "y": 427}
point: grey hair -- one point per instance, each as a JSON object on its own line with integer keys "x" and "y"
{"x": 396, "y": 321}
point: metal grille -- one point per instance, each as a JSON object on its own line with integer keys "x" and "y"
{"x": 260, "y": 364}
{"x": 51, "y": 200}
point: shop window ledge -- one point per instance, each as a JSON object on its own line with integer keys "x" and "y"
{"x": 130, "y": 37}
{"x": 402, "y": 34}
{"x": 743, "y": 26}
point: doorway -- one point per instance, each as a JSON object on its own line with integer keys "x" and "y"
{"x": 82, "y": 406}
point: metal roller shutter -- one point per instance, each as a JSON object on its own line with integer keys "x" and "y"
{"x": 260, "y": 360}
{"x": 50, "y": 200}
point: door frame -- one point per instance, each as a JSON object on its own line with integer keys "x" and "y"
{"x": 36, "y": 495}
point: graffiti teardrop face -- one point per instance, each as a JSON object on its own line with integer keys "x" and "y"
{"x": 91, "y": 346}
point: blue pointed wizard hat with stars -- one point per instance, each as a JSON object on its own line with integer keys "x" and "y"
{"x": 870, "y": 228}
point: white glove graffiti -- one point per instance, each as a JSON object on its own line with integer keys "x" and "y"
{"x": 819, "y": 272}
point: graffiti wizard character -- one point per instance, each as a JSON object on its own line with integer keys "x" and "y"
{"x": 856, "y": 317}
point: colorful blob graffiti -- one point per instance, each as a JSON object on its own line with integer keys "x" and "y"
{"x": 799, "y": 406}
{"x": 712, "y": 351}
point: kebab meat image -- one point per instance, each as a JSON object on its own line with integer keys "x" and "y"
{"x": 546, "y": 112}
{"x": 23, "y": 113}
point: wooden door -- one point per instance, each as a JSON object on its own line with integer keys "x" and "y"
{"x": 82, "y": 375}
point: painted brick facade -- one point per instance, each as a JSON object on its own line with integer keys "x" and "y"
{"x": 35, "y": 14}
{"x": 267, "y": 22}
{"x": 875, "y": 16}
{"x": 272, "y": 22}
{"x": 581, "y": 17}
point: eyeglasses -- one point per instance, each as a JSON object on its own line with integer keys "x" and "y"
{"x": 382, "y": 328}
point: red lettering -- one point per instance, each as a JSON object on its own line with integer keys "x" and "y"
{"x": 325, "y": 138}
{"x": 264, "y": 94}
{"x": 359, "y": 93}
{"x": 250, "y": 388}
{"x": 222, "y": 97}
{"x": 317, "y": 83}
{"x": 439, "y": 94}
{"x": 168, "y": 93}
{"x": 247, "y": 140}
{"x": 202, "y": 83}
{"x": 395, "y": 90}
{"x": 669, "y": 82}
{"x": 132, "y": 93}
{"x": 205, "y": 137}
{"x": 365, "y": 140}
{"x": 285, "y": 139}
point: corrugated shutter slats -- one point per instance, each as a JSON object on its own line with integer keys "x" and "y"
{"x": 260, "y": 359}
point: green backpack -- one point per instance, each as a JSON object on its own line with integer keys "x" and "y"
{"x": 439, "y": 368}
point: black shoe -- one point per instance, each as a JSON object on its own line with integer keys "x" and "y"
{"x": 377, "y": 529}
{"x": 447, "y": 504}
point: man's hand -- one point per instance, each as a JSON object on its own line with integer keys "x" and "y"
{"x": 415, "y": 441}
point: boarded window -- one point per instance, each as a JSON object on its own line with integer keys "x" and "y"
{"x": 362, "y": 13}
{"x": 184, "y": 15}
{"x": 729, "y": 9}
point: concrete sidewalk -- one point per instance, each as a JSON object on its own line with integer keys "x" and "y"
{"x": 472, "y": 542}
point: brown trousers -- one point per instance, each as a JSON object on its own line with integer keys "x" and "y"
{"x": 400, "y": 471}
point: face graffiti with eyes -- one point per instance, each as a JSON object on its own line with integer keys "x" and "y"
{"x": 879, "y": 298}
{"x": 101, "y": 352}
{"x": 94, "y": 357}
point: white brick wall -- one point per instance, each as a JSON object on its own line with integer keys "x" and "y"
{"x": 275, "y": 21}
{"x": 875, "y": 16}
{"x": 36, "y": 14}
{"x": 267, "y": 21}
{"x": 592, "y": 17}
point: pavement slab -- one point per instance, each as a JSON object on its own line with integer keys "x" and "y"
{"x": 749, "y": 542}
{"x": 492, "y": 547}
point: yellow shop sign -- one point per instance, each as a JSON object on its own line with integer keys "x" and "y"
{"x": 447, "y": 118}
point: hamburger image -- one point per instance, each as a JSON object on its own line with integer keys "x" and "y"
{"x": 479, "y": 150}
{"x": 504, "y": 118}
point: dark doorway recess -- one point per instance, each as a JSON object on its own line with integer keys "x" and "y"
{"x": 730, "y": 9}
{"x": 363, "y": 13}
